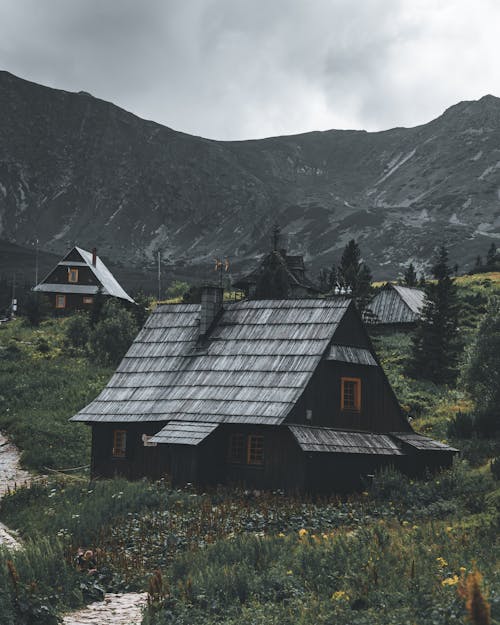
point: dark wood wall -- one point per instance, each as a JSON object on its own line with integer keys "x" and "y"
{"x": 379, "y": 412}
{"x": 60, "y": 276}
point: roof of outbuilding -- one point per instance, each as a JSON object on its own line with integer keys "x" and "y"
{"x": 396, "y": 304}
{"x": 318, "y": 439}
{"x": 258, "y": 360}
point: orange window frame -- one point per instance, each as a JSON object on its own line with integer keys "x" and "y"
{"x": 356, "y": 405}
{"x": 255, "y": 449}
{"x": 119, "y": 443}
{"x": 60, "y": 300}
{"x": 72, "y": 272}
{"x": 236, "y": 451}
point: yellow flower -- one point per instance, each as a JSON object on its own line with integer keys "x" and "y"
{"x": 324, "y": 536}
{"x": 281, "y": 535}
{"x": 442, "y": 562}
{"x": 365, "y": 493}
{"x": 415, "y": 527}
{"x": 462, "y": 569}
{"x": 449, "y": 528}
{"x": 289, "y": 572}
{"x": 302, "y": 533}
{"x": 340, "y": 595}
{"x": 450, "y": 581}
{"x": 405, "y": 523}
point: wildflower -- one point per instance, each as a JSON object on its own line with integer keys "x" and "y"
{"x": 405, "y": 523}
{"x": 324, "y": 536}
{"x": 449, "y": 528}
{"x": 302, "y": 532}
{"x": 450, "y": 581}
{"x": 365, "y": 493}
{"x": 462, "y": 569}
{"x": 415, "y": 527}
{"x": 281, "y": 535}
{"x": 340, "y": 595}
{"x": 442, "y": 562}
{"x": 289, "y": 572}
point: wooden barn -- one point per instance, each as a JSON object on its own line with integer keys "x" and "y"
{"x": 269, "y": 394}
{"x": 395, "y": 306}
{"x": 75, "y": 280}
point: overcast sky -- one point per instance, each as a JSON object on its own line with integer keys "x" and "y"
{"x": 239, "y": 69}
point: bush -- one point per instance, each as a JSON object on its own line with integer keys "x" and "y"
{"x": 78, "y": 330}
{"x": 461, "y": 426}
{"x": 36, "y": 308}
{"x": 495, "y": 468}
{"x": 112, "y": 335}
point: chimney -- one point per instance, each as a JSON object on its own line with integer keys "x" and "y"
{"x": 211, "y": 306}
{"x": 94, "y": 256}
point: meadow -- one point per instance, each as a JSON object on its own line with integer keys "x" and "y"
{"x": 416, "y": 551}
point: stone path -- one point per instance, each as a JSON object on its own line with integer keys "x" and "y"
{"x": 119, "y": 609}
{"x": 114, "y": 610}
{"x": 11, "y": 475}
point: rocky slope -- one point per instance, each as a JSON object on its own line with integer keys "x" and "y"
{"x": 77, "y": 169}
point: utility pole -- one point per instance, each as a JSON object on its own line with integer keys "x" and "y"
{"x": 13, "y": 306}
{"x": 159, "y": 275}
{"x": 36, "y": 262}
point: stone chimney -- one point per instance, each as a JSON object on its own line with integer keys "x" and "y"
{"x": 94, "y": 256}
{"x": 211, "y": 306}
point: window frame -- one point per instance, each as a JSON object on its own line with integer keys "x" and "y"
{"x": 240, "y": 457}
{"x": 260, "y": 448}
{"x": 119, "y": 451}
{"x": 63, "y": 296}
{"x": 72, "y": 271}
{"x": 357, "y": 394}
{"x": 88, "y": 297}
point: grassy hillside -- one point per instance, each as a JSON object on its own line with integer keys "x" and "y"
{"x": 403, "y": 551}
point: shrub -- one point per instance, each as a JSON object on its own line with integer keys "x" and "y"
{"x": 78, "y": 330}
{"x": 495, "y": 468}
{"x": 36, "y": 308}
{"x": 461, "y": 426}
{"x": 112, "y": 335}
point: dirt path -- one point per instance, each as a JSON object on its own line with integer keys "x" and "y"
{"x": 11, "y": 475}
{"x": 114, "y": 610}
{"x": 121, "y": 609}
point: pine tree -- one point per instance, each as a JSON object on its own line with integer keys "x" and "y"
{"x": 491, "y": 258}
{"x": 356, "y": 275}
{"x": 435, "y": 344}
{"x": 410, "y": 276}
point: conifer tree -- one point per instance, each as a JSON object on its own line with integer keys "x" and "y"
{"x": 491, "y": 258}
{"x": 435, "y": 344}
{"x": 356, "y": 275}
{"x": 410, "y": 276}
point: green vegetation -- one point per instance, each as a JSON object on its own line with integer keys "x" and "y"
{"x": 416, "y": 551}
{"x": 41, "y": 386}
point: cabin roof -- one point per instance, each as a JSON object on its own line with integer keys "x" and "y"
{"x": 110, "y": 285}
{"x": 184, "y": 433}
{"x": 417, "y": 441}
{"x": 259, "y": 358}
{"x": 396, "y": 304}
{"x": 319, "y": 439}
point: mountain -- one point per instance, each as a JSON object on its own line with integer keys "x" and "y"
{"x": 76, "y": 169}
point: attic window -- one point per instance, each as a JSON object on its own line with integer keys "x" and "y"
{"x": 237, "y": 448}
{"x": 72, "y": 275}
{"x": 255, "y": 449}
{"x": 119, "y": 443}
{"x": 350, "y": 394}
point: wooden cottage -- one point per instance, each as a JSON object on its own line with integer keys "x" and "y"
{"x": 278, "y": 272}
{"x": 75, "y": 280}
{"x": 395, "y": 305}
{"x": 264, "y": 393}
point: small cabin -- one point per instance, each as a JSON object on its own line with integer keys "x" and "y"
{"x": 269, "y": 394}
{"x": 395, "y": 306}
{"x": 75, "y": 280}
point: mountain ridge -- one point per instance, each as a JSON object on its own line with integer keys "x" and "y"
{"x": 75, "y": 168}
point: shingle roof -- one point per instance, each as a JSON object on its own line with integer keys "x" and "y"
{"x": 110, "y": 285}
{"x": 396, "y": 304}
{"x": 420, "y": 442}
{"x": 260, "y": 356}
{"x": 184, "y": 433}
{"x": 355, "y": 355}
{"x": 318, "y": 439}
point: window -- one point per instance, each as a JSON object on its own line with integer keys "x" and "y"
{"x": 255, "y": 450}
{"x": 237, "y": 448}
{"x": 72, "y": 275}
{"x": 119, "y": 443}
{"x": 88, "y": 299}
{"x": 60, "y": 301}
{"x": 350, "y": 394}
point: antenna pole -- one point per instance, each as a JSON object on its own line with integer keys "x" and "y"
{"x": 36, "y": 262}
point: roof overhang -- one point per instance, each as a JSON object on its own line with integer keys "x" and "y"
{"x": 184, "y": 433}
{"x": 328, "y": 440}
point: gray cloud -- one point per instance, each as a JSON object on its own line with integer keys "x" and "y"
{"x": 239, "y": 69}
